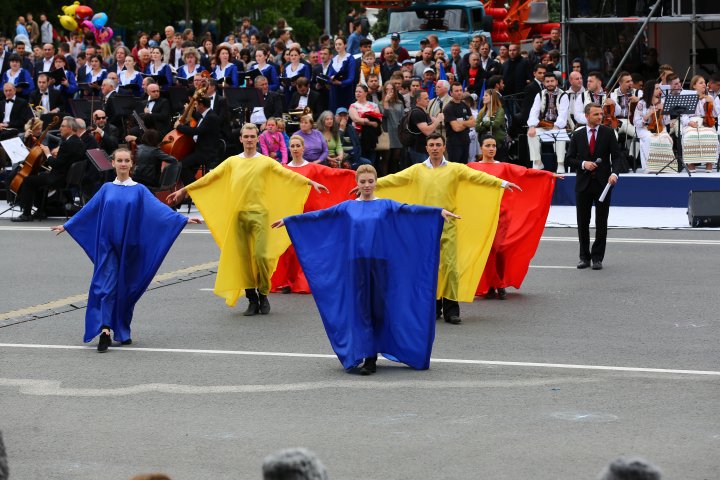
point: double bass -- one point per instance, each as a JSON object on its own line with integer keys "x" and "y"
{"x": 177, "y": 143}
{"x": 34, "y": 161}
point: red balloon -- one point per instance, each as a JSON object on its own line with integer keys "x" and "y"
{"x": 83, "y": 11}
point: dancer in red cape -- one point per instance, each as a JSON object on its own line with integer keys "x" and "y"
{"x": 288, "y": 276}
{"x": 521, "y": 223}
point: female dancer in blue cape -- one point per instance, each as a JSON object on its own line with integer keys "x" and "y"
{"x": 126, "y": 232}
{"x": 372, "y": 265}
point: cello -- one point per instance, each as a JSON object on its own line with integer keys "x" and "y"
{"x": 34, "y": 161}
{"x": 177, "y": 143}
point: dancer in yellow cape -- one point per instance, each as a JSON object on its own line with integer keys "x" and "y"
{"x": 238, "y": 199}
{"x": 464, "y": 247}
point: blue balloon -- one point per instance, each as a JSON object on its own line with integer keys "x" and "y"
{"x": 99, "y": 20}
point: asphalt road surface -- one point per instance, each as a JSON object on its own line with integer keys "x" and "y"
{"x": 515, "y": 392}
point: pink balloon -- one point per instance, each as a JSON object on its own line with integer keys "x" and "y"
{"x": 88, "y": 26}
{"x": 103, "y": 35}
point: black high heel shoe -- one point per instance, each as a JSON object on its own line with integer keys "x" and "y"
{"x": 104, "y": 342}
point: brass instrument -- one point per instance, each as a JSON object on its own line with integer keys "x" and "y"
{"x": 295, "y": 115}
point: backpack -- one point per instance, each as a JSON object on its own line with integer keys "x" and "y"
{"x": 405, "y": 135}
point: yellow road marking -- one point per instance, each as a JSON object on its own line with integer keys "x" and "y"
{"x": 81, "y": 298}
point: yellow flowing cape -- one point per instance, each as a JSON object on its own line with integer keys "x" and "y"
{"x": 239, "y": 200}
{"x": 465, "y": 243}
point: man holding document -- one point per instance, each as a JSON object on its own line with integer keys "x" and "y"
{"x": 595, "y": 155}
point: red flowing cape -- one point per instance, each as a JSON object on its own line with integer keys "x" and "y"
{"x": 521, "y": 224}
{"x": 339, "y": 181}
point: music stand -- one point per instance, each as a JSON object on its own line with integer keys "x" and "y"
{"x": 675, "y": 106}
{"x": 99, "y": 159}
{"x": 81, "y": 108}
{"x": 553, "y": 136}
{"x": 178, "y": 96}
{"x": 239, "y": 97}
{"x": 123, "y": 105}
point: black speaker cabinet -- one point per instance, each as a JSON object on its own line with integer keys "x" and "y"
{"x": 704, "y": 208}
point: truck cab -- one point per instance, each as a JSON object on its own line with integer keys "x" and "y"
{"x": 453, "y": 21}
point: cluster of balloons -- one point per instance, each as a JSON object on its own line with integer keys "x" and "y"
{"x": 80, "y": 18}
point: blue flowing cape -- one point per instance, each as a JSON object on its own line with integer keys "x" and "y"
{"x": 126, "y": 232}
{"x": 373, "y": 268}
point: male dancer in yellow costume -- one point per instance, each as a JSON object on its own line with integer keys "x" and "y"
{"x": 238, "y": 200}
{"x": 464, "y": 246}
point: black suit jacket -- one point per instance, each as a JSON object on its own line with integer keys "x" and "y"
{"x": 110, "y": 139}
{"x": 56, "y": 99}
{"x": 222, "y": 108}
{"x": 70, "y": 151}
{"x": 607, "y": 151}
{"x": 313, "y": 102}
{"x": 529, "y": 94}
{"x": 208, "y": 132}
{"x": 160, "y": 114}
{"x": 19, "y": 115}
{"x": 273, "y": 105}
{"x": 324, "y": 90}
{"x": 88, "y": 138}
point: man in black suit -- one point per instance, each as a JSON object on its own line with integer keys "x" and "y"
{"x": 529, "y": 94}
{"x": 219, "y": 105}
{"x": 50, "y": 99}
{"x": 271, "y": 102}
{"x": 15, "y": 113}
{"x": 108, "y": 133}
{"x": 156, "y": 107}
{"x": 304, "y": 97}
{"x": 595, "y": 155}
{"x": 322, "y": 88}
{"x": 47, "y": 62}
{"x": 71, "y": 150}
{"x": 206, "y": 135}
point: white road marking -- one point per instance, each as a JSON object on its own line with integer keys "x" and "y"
{"x": 54, "y": 388}
{"x": 645, "y": 241}
{"x": 320, "y": 355}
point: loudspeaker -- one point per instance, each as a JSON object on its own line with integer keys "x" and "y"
{"x": 704, "y": 208}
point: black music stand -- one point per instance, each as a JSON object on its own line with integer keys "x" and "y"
{"x": 178, "y": 96}
{"x": 123, "y": 105}
{"x": 239, "y": 97}
{"x": 99, "y": 159}
{"x": 81, "y": 108}
{"x": 675, "y": 106}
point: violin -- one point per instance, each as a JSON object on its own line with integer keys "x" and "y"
{"x": 708, "y": 118}
{"x": 34, "y": 161}
{"x": 609, "y": 118}
{"x": 656, "y": 125}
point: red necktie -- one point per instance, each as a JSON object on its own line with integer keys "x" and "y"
{"x": 592, "y": 143}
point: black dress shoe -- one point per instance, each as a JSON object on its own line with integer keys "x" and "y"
{"x": 368, "y": 367}
{"x": 38, "y": 215}
{"x": 597, "y": 265}
{"x": 252, "y": 309}
{"x": 502, "y": 294}
{"x": 264, "y": 306}
{"x": 127, "y": 342}
{"x": 23, "y": 218}
{"x": 104, "y": 342}
{"x": 490, "y": 293}
{"x": 454, "y": 319}
{"x": 583, "y": 264}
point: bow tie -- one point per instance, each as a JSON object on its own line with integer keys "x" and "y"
{"x": 45, "y": 94}
{"x": 9, "y": 100}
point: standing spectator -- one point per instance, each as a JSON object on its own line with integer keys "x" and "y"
{"x": 167, "y": 42}
{"x": 272, "y": 142}
{"x": 554, "y": 42}
{"x": 142, "y": 42}
{"x": 20, "y": 28}
{"x": 441, "y": 100}
{"x": 455, "y": 60}
{"x": 536, "y": 54}
{"x": 342, "y": 75}
{"x": 421, "y": 125}
{"x": 33, "y": 29}
{"x": 316, "y": 147}
{"x": 426, "y": 62}
{"x": 46, "y": 29}
{"x": 530, "y": 92}
{"x": 503, "y": 54}
{"x": 458, "y": 120}
{"x": 392, "y": 108}
{"x": 328, "y": 126}
{"x": 491, "y": 118}
{"x": 390, "y": 65}
{"x": 474, "y": 146}
{"x": 365, "y": 123}
{"x": 248, "y": 28}
{"x": 516, "y": 71}
{"x": 353, "y": 41}
{"x": 401, "y": 52}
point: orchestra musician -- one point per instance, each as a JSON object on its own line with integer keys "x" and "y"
{"x": 575, "y": 99}
{"x": 45, "y": 99}
{"x": 206, "y": 135}
{"x": 15, "y": 111}
{"x": 700, "y": 129}
{"x": 106, "y": 134}
{"x": 156, "y": 107}
{"x": 71, "y": 150}
{"x": 624, "y": 97}
{"x": 648, "y": 113}
{"x": 304, "y": 97}
{"x": 593, "y": 94}
{"x": 549, "y": 113}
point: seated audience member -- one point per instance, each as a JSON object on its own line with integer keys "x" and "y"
{"x": 272, "y": 142}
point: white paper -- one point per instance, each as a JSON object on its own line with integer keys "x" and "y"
{"x": 552, "y": 136}
{"x": 258, "y": 116}
{"x": 605, "y": 192}
{"x": 15, "y": 149}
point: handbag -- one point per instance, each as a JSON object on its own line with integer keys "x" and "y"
{"x": 383, "y": 142}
